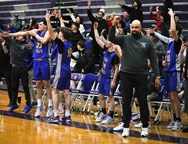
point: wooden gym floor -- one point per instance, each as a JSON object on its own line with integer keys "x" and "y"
{"x": 20, "y": 128}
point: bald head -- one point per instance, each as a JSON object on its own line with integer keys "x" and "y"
{"x": 136, "y": 27}
{"x": 136, "y": 23}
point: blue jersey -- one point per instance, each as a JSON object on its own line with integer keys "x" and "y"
{"x": 63, "y": 60}
{"x": 40, "y": 50}
{"x": 173, "y": 63}
{"x": 107, "y": 66}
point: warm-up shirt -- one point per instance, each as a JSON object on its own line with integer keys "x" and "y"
{"x": 135, "y": 52}
{"x": 18, "y": 51}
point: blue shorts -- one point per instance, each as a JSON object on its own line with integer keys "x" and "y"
{"x": 42, "y": 69}
{"x": 62, "y": 82}
{"x": 104, "y": 87}
{"x": 172, "y": 81}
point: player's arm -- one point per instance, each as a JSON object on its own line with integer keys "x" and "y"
{"x": 118, "y": 51}
{"x": 50, "y": 30}
{"x": 173, "y": 24}
{"x": 98, "y": 40}
{"x": 116, "y": 65}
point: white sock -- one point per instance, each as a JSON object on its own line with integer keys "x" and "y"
{"x": 50, "y": 102}
{"x": 60, "y": 106}
{"x": 67, "y": 113}
{"x": 39, "y": 102}
{"x": 56, "y": 113}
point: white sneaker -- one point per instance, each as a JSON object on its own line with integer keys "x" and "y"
{"x": 126, "y": 132}
{"x": 136, "y": 117}
{"x": 108, "y": 120}
{"x": 177, "y": 126}
{"x": 101, "y": 117}
{"x": 171, "y": 125}
{"x": 39, "y": 110}
{"x": 145, "y": 132}
{"x": 49, "y": 111}
{"x": 119, "y": 127}
{"x": 139, "y": 125}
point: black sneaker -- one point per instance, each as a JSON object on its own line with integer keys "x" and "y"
{"x": 66, "y": 120}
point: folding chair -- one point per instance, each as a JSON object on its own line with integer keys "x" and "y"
{"x": 164, "y": 103}
{"x": 77, "y": 78}
{"x": 89, "y": 82}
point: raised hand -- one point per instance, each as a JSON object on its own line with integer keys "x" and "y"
{"x": 95, "y": 25}
{"x": 183, "y": 47}
{"x": 170, "y": 12}
{"x": 150, "y": 8}
{"x": 47, "y": 16}
{"x": 89, "y": 2}
{"x": 4, "y": 34}
{"x": 58, "y": 14}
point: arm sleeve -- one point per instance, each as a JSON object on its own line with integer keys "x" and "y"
{"x": 90, "y": 15}
{"x": 128, "y": 9}
{"x": 163, "y": 38}
{"x": 177, "y": 45}
{"x": 153, "y": 17}
{"x": 113, "y": 38}
{"x": 60, "y": 44}
{"x": 153, "y": 59}
{"x": 115, "y": 60}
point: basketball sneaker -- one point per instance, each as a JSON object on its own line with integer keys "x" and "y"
{"x": 145, "y": 132}
{"x": 108, "y": 120}
{"x": 126, "y": 132}
{"x": 119, "y": 127}
{"x": 101, "y": 117}
{"x": 49, "y": 111}
{"x": 39, "y": 110}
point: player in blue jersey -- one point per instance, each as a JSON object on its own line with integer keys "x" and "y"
{"x": 171, "y": 66}
{"x": 109, "y": 73}
{"x": 63, "y": 71}
{"x": 41, "y": 65}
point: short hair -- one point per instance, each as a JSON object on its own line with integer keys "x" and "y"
{"x": 76, "y": 24}
{"x": 138, "y": 2}
{"x": 66, "y": 32}
{"x": 179, "y": 28}
{"x": 81, "y": 44}
{"x": 44, "y": 22}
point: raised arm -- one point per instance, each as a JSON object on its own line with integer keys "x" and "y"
{"x": 50, "y": 30}
{"x": 98, "y": 40}
{"x": 114, "y": 39}
{"x": 89, "y": 13}
{"x": 173, "y": 24}
{"x": 167, "y": 40}
{"x": 118, "y": 51}
{"x": 62, "y": 24}
{"x": 116, "y": 72}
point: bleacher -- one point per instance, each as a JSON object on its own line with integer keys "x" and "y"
{"x": 34, "y": 8}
